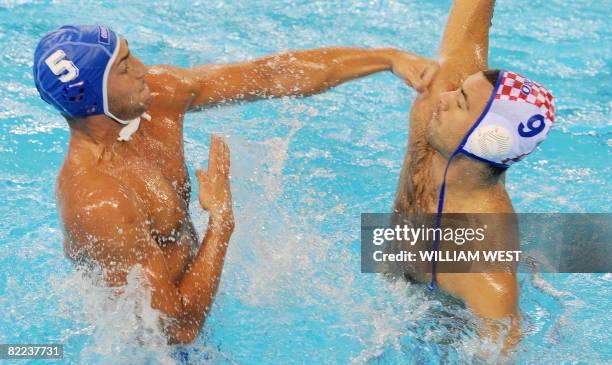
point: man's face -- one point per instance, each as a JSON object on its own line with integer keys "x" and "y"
{"x": 128, "y": 94}
{"x": 456, "y": 113}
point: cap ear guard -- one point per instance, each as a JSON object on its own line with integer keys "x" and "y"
{"x": 490, "y": 142}
{"x": 75, "y": 92}
{"x": 79, "y": 97}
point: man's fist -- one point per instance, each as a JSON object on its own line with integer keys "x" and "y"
{"x": 416, "y": 71}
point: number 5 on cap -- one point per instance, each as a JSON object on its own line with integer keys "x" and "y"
{"x": 58, "y": 65}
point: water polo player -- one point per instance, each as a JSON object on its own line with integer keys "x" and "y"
{"x": 123, "y": 189}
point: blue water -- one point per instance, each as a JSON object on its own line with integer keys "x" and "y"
{"x": 303, "y": 170}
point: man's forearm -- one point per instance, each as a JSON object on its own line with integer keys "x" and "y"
{"x": 199, "y": 284}
{"x": 312, "y": 71}
{"x": 466, "y": 36}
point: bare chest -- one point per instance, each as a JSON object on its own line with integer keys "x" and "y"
{"x": 157, "y": 178}
{"x": 162, "y": 196}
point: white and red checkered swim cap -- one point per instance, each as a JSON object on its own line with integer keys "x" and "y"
{"x": 515, "y": 121}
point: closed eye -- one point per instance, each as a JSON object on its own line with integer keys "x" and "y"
{"x": 467, "y": 105}
{"x": 126, "y": 65}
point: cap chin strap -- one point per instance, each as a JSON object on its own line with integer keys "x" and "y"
{"x": 131, "y": 126}
{"x": 460, "y": 149}
{"x": 435, "y": 246}
{"x": 436, "y": 242}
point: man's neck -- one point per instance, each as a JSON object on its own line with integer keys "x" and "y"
{"x": 94, "y": 134}
{"x": 467, "y": 176}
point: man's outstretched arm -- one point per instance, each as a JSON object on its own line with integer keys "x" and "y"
{"x": 296, "y": 73}
{"x": 465, "y": 45}
{"x": 113, "y": 233}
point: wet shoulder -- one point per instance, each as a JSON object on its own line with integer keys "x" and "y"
{"x": 89, "y": 197}
{"x": 171, "y": 87}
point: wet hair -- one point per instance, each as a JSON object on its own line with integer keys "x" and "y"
{"x": 492, "y": 75}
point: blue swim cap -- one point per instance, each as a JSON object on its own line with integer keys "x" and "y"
{"x": 71, "y": 66}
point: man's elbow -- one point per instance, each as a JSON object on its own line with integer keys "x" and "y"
{"x": 185, "y": 333}
{"x": 492, "y": 295}
{"x": 182, "y": 338}
{"x": 498, "y": 309}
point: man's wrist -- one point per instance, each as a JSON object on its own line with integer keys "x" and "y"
{"x": 221, "y": 222}
{"x": 389, "y": 55}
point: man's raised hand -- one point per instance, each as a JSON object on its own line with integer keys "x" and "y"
{"x": 215, "y": 195}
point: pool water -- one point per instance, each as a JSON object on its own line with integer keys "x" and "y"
{"x": 302, "y": 172}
